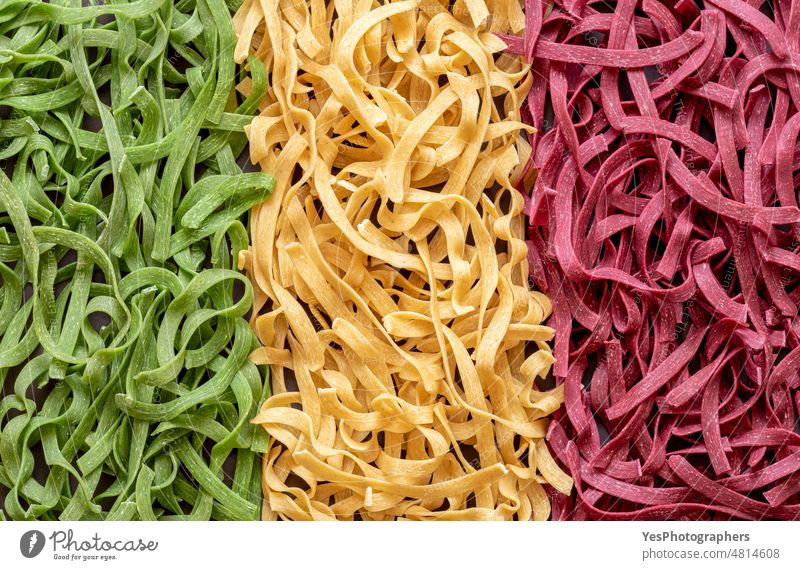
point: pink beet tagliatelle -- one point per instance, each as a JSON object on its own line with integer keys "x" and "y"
{"x": 664, "y": 224}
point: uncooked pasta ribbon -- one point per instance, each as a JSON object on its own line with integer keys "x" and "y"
{"x": 389, "y": 266}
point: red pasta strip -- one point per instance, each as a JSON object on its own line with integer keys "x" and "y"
{"x": 662, "y": 374}
{"x": 618, "y": 57}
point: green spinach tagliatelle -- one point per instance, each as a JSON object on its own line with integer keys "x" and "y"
{"x": 123, "y": 349}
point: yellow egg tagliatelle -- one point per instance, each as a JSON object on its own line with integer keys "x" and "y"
{"x": 390, "y": 268}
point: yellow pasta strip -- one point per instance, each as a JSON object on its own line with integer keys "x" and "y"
{"x": 390, "y": 268}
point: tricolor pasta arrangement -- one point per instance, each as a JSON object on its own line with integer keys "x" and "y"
{"x": 399, "y": 260}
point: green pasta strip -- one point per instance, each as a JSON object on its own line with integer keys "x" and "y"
{"x": 124, "y": 349}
